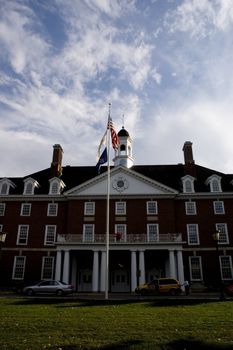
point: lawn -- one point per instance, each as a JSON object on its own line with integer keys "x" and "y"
{"x": 70, "y": 325}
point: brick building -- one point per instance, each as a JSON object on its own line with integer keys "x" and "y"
{"x": 162, "y": 218}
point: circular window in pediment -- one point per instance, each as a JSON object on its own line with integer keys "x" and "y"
{"x": 120, "y": 184}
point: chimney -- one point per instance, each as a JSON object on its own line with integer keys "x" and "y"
{"x": 189, "y": 163}
{"x": 188, "y": 153}
{"x": 56, "y": 165}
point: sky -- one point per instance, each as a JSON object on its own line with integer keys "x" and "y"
{"x": 164, "y": 65}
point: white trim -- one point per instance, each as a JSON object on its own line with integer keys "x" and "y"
{"x": 23, "y": 205}
{"x": 46, "y": 241}
{"x": 20, "y": 233}
{"x": 199, "y": 258}
{"x": 188, "y": 226}
{"x": 14, "y": 267}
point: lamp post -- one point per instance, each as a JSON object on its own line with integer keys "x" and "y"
{"x": 216, "y": 238}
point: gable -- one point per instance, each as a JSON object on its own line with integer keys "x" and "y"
{"x": 122, "y": 181}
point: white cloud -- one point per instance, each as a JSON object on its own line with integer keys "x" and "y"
{"x": 22, "y": 45}
{"x": 201, "y": 17}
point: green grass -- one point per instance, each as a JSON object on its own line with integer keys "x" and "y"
{"x": 25, "y": 324}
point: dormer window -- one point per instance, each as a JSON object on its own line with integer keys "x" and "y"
{"x": 188, "y": 184}
{"x": 214, "y": 182}
{"x": 29, "y": 186}
{"x": 5, "y": 186}
{"x": 56, "y": 186}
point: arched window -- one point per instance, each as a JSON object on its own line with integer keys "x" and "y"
{"x": 56, "y": 185}
{"x": 188, "y": 184}
{"x": 29, "y": 186}
{"x": 214, "y": 181}
{"x": 4, "y": 189}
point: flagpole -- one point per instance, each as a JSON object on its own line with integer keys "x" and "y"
{"x": 107, "y": 210}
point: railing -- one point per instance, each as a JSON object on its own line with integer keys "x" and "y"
{"x": 115, "y": 239}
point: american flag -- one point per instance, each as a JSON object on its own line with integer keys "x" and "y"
{"x": 114, "y": 136}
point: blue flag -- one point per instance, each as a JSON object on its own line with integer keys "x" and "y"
{"x": 103, "y": 159}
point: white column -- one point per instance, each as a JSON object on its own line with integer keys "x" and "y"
{"x": 172, "y": 264}
{"x": 66, "y": 267}
{"x": 133, "y": 271}
{"x": 102, "y": 273}
{"x": 180, "y": 266}
{"x": 74, "y": 272}
{"x": 95, "y": 272}
{"x": 58, "y": 266}
{"x": 142, "y": 267}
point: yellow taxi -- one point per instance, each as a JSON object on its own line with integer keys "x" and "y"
{"x": 160, "y": 286}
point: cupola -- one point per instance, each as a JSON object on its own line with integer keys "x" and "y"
{"x": 123, "y": 155}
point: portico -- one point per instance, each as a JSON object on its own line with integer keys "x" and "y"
{"x": 129, "y": 265}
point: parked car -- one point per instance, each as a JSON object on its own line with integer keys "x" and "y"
{"x": 49, "y": 287}
{"x": 229, "y": 290}
{"x": 160, "y": 286}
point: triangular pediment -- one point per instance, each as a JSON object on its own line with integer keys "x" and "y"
{"x": 122, "y": 181}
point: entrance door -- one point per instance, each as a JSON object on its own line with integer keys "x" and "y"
{"x": 120, "y": 281}
{"x": 85, "y": 281}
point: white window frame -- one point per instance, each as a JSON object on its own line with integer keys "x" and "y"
{"x": 47, "y": 269}
{"x": 23, "y": 231}
{"x": 120, "y": 232}
{"x": 2, "y": 209}
{"x": 190, "y": 234}
{"x": 223, "y": 237}
{"x": 56, "y": 185}
{"x": 219, "y": 207}
{"x": 5, "y": 185}
{"x": 120, "y": 208}
{"x": 226, "y": 267}
{"x": 214, "y": 181}
{"x": 198, "y": 268}
{"x": 1, "y": 227}
{"x": 88, "y": 232}
{"x": 152, "y": 207}
{"x": 188, "y": 184}
{"x": 19, "y": 266}
{"x": 52, "y": 209}
{"x": 152, "y": 232}
{"x": 89, "y": 208}
{"x": 190, "y": 208}
{"x": 50, "y": 237}
{"x": 29, "y": 186}
{"x": 24, "y": 211}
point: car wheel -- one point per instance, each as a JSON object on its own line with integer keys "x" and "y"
{"x": 30, "y": 292}
{"x": 172, "y": 292}
{"x": 60, "y": 293}
{"x": 143, "y": 292}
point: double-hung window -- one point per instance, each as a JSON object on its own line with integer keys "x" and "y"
{"x": 226, "y": 267}
{"x": 88, "y": 232}
{"x": 152, "y": 208}
{"x": 2, "y": 209}
{"x": 195, "y": 267}
{"x": 18, "y": 267}
{"x": 152, "y": 232}
{"x": 190, "y": 208}
{"x": 120, "y": 232}
{"x": 50, "y": 234}
{"x": 52, "y": 209}
{"x": 219, "y": 207}
{"x": 47, "y": 267}
{"x": 22, "y": 237}
{"x": 223, "y": 233}
{"x": 120, "y": 208}
{"x": 25, "y": 209}
{"x": 193, "y": 234}
{"x": 89, "y": 208}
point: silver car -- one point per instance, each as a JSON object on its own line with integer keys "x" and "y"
{"x": 47, "y": 287}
